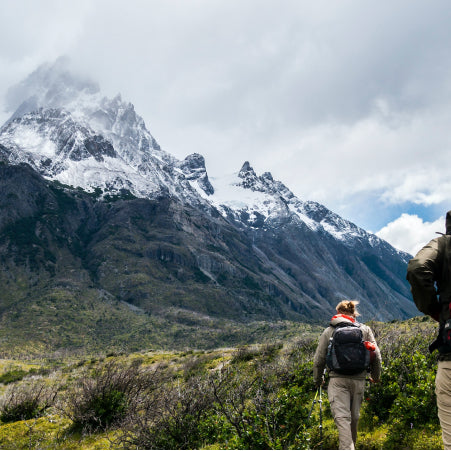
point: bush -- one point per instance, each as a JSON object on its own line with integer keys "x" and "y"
{"x": 104, "y": 398}
{"x": 244, "y": 354}
{"x": 26, "y": 402}
{"x": 172, "y": 416}
{"x": 265, "y": 404}
{"x": 404, "y": 401}
{"x": 13, "y": 375}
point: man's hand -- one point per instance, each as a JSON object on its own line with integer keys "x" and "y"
{"x": 374, "y": 381}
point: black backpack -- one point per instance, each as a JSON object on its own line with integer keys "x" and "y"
{"x": 443, "y": 341}
{"x": 347, "y": 353}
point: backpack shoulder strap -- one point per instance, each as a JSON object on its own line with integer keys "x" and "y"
{"x": 345, "y": 324}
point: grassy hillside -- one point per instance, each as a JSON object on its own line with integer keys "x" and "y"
{"x": 82, "y": 272}
{"x": 247, "y": 397}
{"x": 92, "y": 328}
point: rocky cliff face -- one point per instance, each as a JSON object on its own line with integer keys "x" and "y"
{"x": 90, "y": 201}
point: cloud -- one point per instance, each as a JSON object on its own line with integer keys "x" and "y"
{"x": 403, "y": 158}
{"x": 410, "y": 233}
{"x": 32, "y": 33}
{"x": 339, "y": 100}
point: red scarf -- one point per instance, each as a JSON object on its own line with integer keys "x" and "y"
{"x": 340, "y": 315}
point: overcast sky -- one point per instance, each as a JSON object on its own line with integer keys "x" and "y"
{"x": 348, "y": 102}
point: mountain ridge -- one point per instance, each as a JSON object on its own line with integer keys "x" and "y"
{"x": 158, "y": 233}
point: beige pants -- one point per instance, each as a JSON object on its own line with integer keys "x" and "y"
{"x": 345, "y": 398}
{"x": 443, "y": 392}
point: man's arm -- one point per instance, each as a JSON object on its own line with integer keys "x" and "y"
{"x": 422, "y": 272}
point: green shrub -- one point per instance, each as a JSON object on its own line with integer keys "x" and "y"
{"x": 23, "y": 410}
{"x": 244, "y": 354}
{"x": 404, "y": 402}
{"x": 24, "y": 402}
{"x": 103, "y": 398}
{"x": 12, "y": 376}
{"x": 173, "y": 415}
{"x": 17, "y": 374}
{"x": 406, "y": 392}
{"x": 263, "y": 403}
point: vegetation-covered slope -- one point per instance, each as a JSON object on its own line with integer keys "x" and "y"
{"x": 253, "y": 397}
{"x": 80, "y": 272}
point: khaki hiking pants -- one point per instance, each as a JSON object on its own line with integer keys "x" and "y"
{"x": 443, "y": 392}
{"x": 345, "y": 398}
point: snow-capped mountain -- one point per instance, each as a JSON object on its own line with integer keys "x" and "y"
{"x": 262, "y": 202}
{"x": 305, "y": 255}
{"x": 69, "y": 132}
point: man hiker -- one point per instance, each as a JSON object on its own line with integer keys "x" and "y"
{"x": 429, "y": 275}
{"x": 348, "y": 349}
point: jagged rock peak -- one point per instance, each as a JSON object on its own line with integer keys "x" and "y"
{"x": 263, "y": 183}
{"x": 194, "y": 161}
{"x": 246, "y": 169}
{"x": 193, "y": 166}
{"x": 268, "y": 176}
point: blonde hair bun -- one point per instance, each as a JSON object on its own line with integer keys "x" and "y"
{"x": 348, "y": 308}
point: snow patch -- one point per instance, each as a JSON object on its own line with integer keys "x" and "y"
{"x": 32, "y": 142}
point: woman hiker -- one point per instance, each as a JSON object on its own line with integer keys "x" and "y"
{"x": 354, "y": 354}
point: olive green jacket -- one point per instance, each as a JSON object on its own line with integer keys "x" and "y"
{"x": 429, "y": 275}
